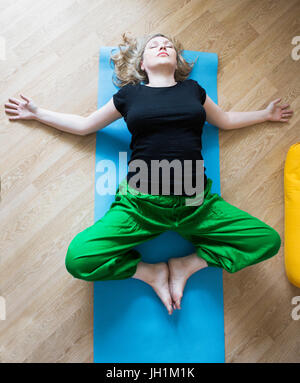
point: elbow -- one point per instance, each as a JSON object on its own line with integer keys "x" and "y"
{"x": 84, "y": 129}
{"x": 89, "y": 127}
{"x": 82, "y": 133}
{"x": 219, "y": 119}
{"x": 224, "y": 127}
{"x": 225, "y": 123}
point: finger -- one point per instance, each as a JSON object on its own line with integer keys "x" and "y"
{"x": 11, "y": 111}
{"x": 14, "y": 106}
{"x": 284, "y": 119}
{"x": 13, "y": 118}
{"x": 287, "y": 112}
{"x": 277, "y": 100}
{"x": 14, "y": 100}
{"x": 285, "y": 106}
{"x": 25, "y": 98}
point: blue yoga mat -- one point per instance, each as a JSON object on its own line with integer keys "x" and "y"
{"x": 131, "y": 323}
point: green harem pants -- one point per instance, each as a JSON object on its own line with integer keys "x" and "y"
{"x": 224, "y": 235}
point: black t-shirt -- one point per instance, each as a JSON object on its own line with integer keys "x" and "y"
{"x": 165, "y": 123}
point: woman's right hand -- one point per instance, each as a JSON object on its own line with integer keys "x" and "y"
{"x": 25, "y": 110}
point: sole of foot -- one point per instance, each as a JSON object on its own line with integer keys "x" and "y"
{"x": 160, "y": 284}
{"x": 177, "y": 280}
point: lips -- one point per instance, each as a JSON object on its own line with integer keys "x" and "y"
{"x": 163, "y": 53}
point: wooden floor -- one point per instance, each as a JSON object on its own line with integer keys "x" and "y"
{"x": 47, "y": 177}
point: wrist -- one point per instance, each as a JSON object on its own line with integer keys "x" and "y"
{"x": 266, "y": 114}
{"x": 36, "y": 114}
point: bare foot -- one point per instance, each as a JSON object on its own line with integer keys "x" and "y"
{"x": 180, "y": 270}
{"x": 160, "y": 284}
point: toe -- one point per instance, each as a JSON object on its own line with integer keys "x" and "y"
{"x": 169, "y": 306}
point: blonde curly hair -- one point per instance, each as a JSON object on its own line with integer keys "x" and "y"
{"x": 127, "y": 61}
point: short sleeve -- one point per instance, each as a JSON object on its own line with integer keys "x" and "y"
{"x": 121, "y": 100}
{"x": 201, "y": 92}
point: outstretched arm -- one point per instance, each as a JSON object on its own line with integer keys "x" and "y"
{"x": 26, "y": 109}
{"x": 235, "y": 120}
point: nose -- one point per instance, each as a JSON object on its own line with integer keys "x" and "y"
{"x": 162, "y": 50}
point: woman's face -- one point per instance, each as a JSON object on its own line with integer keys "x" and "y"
{"x": 159, "y": 52}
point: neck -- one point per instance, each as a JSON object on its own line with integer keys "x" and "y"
{"x": 161, "y": 81}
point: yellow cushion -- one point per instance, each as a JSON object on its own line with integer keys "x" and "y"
{"x": 292, "y": 214}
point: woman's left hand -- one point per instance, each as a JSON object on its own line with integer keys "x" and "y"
{"x": 278, "y": 112}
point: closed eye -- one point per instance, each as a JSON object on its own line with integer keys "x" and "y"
{"x": 169, "y": 46}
